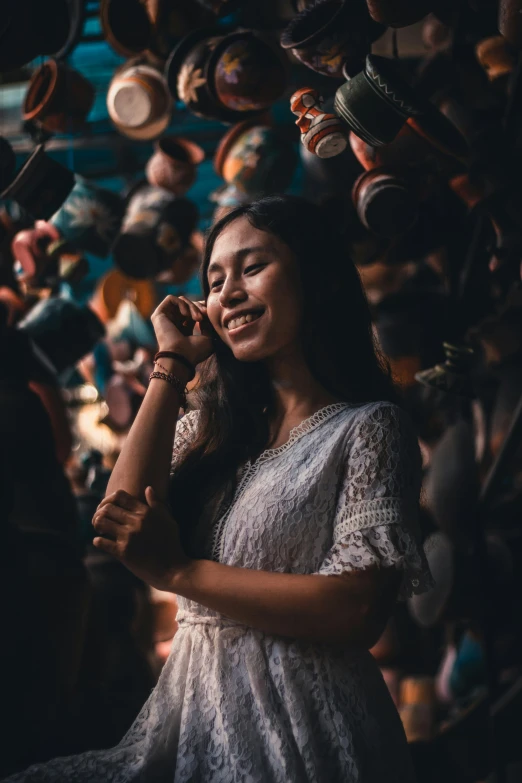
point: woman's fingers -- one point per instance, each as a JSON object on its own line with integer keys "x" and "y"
{"x": 106, "y": 545}
{"x": 115, "y": 513}
{"x": 195, "y": 312}
{"x": 123, "y": 500}
{"x": 106, "y": 527}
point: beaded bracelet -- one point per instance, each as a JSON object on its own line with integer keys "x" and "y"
{"x": 175, "y": 382}
{"x": 179, "y": 358}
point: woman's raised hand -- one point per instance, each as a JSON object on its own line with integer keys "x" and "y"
{"x": 174, "y": 322}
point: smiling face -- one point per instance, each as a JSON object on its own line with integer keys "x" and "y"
{"x": 254, "y": 303}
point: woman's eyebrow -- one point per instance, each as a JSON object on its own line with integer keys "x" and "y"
{"x": 241, "y": 254}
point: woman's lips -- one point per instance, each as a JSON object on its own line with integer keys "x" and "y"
{"x": 241, "y": 327}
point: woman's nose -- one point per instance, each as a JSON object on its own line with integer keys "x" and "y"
{"x": 232, "y": 293}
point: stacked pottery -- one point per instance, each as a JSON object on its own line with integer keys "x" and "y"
{"x": 254, "y": 160}
{"x": 398, "y": 13}
{"x": 322, "y": 133}
{"x": 227, "y": 78}
{"x": 332, "y": 37}
{"x": 155, "y": 230}
{"x": 376, "y": 103}
{"x": 174, "y": 164}
{"x": 90, "y": 218}
{"x": 58, "y": 98}
{"x": 41, "y": 186}
{"x": 62, "y": 330}
{"x": 139, "y": 102}
{"x": 386, "y": 204}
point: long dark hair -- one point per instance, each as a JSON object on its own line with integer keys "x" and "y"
{"x": 235, "y": 399}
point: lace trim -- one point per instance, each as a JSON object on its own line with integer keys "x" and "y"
{"x": 370, "y": 513}
{"x": 384, "y": 546}
{"x": 250, "y": 469}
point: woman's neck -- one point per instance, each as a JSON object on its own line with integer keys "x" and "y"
{"x": 298, "y": 394}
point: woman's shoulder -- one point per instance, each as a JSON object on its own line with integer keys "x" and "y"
{"x": 376, "y": 416}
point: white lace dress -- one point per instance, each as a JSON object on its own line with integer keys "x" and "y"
{"x": 236, "y": 705}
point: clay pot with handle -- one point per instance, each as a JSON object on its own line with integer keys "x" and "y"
{"x": 58, "y": 98}
{"x": 174, "y": 164}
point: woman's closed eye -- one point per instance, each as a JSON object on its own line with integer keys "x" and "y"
{"x": 251, "y": 269}
{"x": 254, "y": 268}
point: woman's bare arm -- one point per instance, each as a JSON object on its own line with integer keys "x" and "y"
{"x": 352, "y": 608}
{"x": 147, "y": 452}
{"x": 146, "y": 455}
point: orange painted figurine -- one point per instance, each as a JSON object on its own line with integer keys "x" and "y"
{"x": 321, "y": 133}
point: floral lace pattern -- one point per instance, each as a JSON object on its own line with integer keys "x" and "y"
{"x": 236, "y": 705}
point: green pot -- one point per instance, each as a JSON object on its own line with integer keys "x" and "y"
{"x": 376, "y": 103}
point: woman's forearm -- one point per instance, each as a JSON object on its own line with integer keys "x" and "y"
{"x": 349, "y": 609}
{"x": 147, "y": 452}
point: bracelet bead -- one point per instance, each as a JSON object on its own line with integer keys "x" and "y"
{"x": 175, "y": 382}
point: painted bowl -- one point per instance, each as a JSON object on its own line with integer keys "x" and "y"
{"x": 246, "y": 73}
{"x": 256, "y": 159}
{"x": 90, "y": 218}
{"x": 156, "y": 228}
{"x": 174, "y": 164}
{"x": 186, "y": 72}
{"x": 332, "y": 35}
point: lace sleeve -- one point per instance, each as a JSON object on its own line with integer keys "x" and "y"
{"x": 186, "y": 429}
{"x": 376, "y": 520}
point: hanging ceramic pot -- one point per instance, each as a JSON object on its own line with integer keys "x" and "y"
{"x": 90, "y": 218}
{"x": 321, "y": 133}
{"x": 58, "y": 98}
{"x": 399, "y": 13}
{"x": 174, "y": 164}
{"x": 31, "y": 249}
{"x": 7, "y": 163}
{"x": 245, "y": 73}
{"x": 385, "y": 203}
{"x": 114, "y": 287}
{"x": 30, "y": 29}
{"x": 187, "y": 73}
{"x": 510, "y": 21}
{"x": 41, "y": 186}
{"x": 126, "y": 26}
{"x": 376, "y": 103}
{"x": 429, "y": 146}
{"x": 155, "y": 230}
{"x": 139, "y": 102}
{"x": 332, "y": 37}
{"x": 62, "y": 330}
{"x": 496, "y": 57}
{"x": 255, "y": 160}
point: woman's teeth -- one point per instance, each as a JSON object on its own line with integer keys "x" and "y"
{"x": 245, "y": 319}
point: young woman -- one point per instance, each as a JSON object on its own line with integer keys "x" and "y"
{"x": 286, "y": 524}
